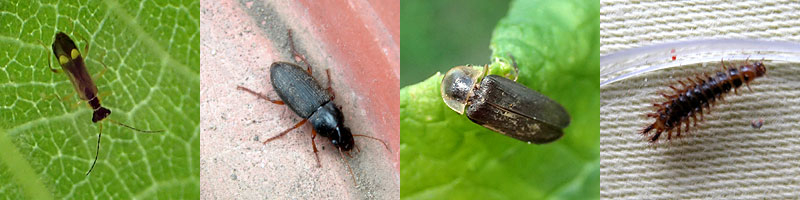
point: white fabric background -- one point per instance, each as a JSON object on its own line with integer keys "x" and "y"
{"x": 724, "y": 157}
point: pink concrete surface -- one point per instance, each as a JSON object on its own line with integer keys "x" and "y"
{"x": 357, "y": 40}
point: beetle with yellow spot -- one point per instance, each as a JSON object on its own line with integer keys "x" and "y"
{"x": 73, "y": 65}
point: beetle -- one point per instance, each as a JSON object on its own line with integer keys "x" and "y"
{"x": 73, "y": 65}
{"x": 503, "y": 105}
{"x": 309, "y": 100}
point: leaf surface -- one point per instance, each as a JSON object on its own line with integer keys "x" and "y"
{"x": 151, "y": 49}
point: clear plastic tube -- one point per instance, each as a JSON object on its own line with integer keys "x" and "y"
{"x": 624, "y": 64}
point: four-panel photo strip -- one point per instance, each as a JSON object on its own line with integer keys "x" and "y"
{"x": 399, "y": 99}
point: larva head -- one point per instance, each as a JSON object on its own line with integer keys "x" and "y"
{"x": 760, "y": 68}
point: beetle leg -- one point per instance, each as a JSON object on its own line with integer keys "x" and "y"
{"x": 66, "y": 99}
{"x": 105, "y": 68}
{"x": 314, "y": 145}
{"x": 514, "y": 64}
{"x": 330, "y": 89}
{"x": 49, "y": 63}
{"x": 259, "y": 95}
{"x": 348, "y": 166}
{"x": 286, "y": 131}
{"x": 85, "y": 47}
{"x": 77, "y": 103}
{"x": 297, "y": 54}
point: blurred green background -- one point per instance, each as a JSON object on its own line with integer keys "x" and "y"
{"x": 444, "y": 155}
{"x": 437, "y": 35}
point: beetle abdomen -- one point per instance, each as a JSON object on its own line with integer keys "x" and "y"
{"x": 512, "y": 109}
{"x": 297, "y": 88}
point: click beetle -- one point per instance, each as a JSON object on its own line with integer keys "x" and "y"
{"x": 503, "y": 105}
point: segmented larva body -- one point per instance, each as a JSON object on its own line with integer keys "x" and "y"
{"x": 700, "y": 93}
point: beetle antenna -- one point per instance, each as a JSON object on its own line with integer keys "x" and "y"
{"x": 135, "y": 129}
{"x": 97, "y": 152}
{"x": 370, "y": 137}
{"x": 348, "y": 167}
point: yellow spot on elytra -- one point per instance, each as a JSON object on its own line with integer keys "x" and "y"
{"x": 63, "y": 60}
{"x": 75, "y": 53}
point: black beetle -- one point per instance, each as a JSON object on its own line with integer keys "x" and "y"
{"x": 304, "y": 95}
{"x": 503, "y": 105}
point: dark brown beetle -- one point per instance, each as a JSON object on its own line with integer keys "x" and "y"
{"x": 503, "y": 105}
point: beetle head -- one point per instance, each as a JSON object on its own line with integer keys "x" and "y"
{"x": 342, "y": 138}
{"x": 100, "y": 114}
{"x": 328, "y": 121}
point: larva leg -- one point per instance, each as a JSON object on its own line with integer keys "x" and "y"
{"x": 655, "y": 136}
{"x": 666, "y": 95}
{"x": 687, "y": 124}
{"x": 701, "y": 112}
{"x": 748, "y": 86}
{"x": 676, "y": 90}
{"x": 669, "y": 134}
{"x": 723, "y": 65}
{"x": 730, "y": 80}
{"x": 647, "y": 129}
{"x": 698, "y": 79}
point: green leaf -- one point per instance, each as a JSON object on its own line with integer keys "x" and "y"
{"x": 445, "y": 155}
{"x": 47, "y": 137}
